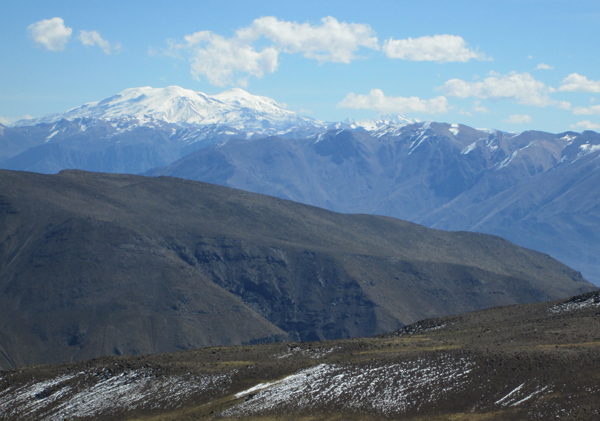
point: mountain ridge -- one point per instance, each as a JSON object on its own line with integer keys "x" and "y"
{"x": 100, "y": 264}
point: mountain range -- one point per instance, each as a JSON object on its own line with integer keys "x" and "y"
{"x": 536, "y": 189}
{"x": 539, "y": 190}
{"x": 107, "y": 264}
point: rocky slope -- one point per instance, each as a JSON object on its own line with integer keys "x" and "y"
{"x": 99, "y": 264}
{"x": 525, "y": 362}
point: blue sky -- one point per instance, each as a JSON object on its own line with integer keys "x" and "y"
{"x": 512, "y": 65}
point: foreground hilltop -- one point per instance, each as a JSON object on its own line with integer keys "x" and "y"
{"x": 102, "y": 264}
{"x": 524, "y": 362}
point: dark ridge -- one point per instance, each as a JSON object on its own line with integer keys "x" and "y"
{"x": 98, "y": 264}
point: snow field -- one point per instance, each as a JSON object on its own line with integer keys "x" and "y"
{"x": 90, "y": 394}
{"x": 382, "y": 389}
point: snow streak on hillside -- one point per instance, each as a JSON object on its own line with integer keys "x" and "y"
{"x": 380, "y": 389}
{"x": 103, "y": 393}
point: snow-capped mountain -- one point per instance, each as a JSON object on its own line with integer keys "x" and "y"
{"x": 235, "y": 108}
{"x": 141, "y": 128}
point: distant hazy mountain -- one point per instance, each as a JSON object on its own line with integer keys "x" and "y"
{"x": 141, "y": 128}
{"x": 537, "y": 189}
{"x": 235, "y": 108}
{"x": 101, "y": 264}
{"x": 381, "y": 121}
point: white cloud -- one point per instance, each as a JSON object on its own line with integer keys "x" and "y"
{"x": 544, "y": 66}
{"x": 242, "y": 82}
{"x": 521, "y": 87}
{"x": 518, "y": 119}
{"x": 331, "y": 41}
{"x": 594, "y": 109}
{"x": 51, "y": 33}
{"x": 219, "y": 59}
{"x": 577, "y": 83}
{"x": 441, "y": 48}
{"x": 94, "y": 38}
{"x": 376, "y": 100}
{"x": 477, "y": 107}
{"x": 586, "y": 125}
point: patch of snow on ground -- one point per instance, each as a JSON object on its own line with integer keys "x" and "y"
{"x": 90, "y": 394}
{"x": 492, "y": 144}
{"x": 256, "y": 388}
{"x": 587, "y": 149}
{"x": 382, "y": 389}
{"x": 388, "y": 131}
{"x": 469, "y": 148}
{"x": 517, "y": 396}
{"x": 320, "y": 137}
{"x": 508, "y": 160}
{"x": 33, "y": 396}
{"x": 526, "y": 398}
{"x": 454, "y": 129}
{"x": 420, "y": 138}
{"x": 314, "y": 353}
{"x": 576, "y": 304}
{"x": 418, "y": 328}
{"x": 568, "y": 138}
{"x": 54, "y": 133}
{"x": 512, "y": 392}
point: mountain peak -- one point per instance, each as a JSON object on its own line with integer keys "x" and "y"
{"x": 177, "y": 105}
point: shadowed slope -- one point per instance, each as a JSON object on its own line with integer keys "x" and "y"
{"x": 97, "y": 264}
